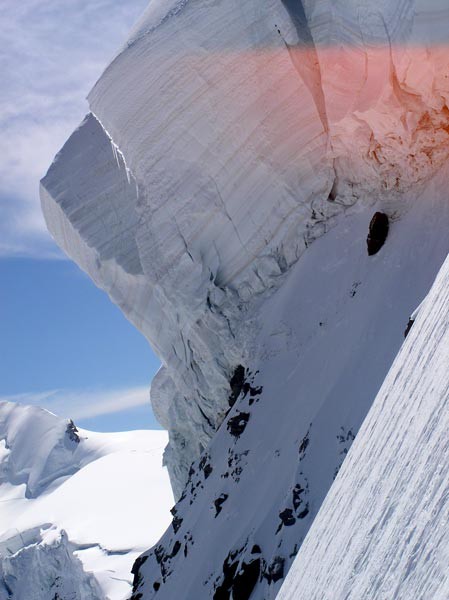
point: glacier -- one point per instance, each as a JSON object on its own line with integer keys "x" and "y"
{"x": 382, "y": 530}
{"x": 221, "y": 191}
{"x": 64, "y": 532}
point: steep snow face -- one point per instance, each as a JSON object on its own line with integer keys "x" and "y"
{"x": 382, "y": 530}
{"x": 77, "y": 507}
{"x": 324, "y": 343}
{"x": 227, "y": 137}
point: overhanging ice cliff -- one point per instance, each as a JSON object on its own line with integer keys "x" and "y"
{"x": 220, "y": 191}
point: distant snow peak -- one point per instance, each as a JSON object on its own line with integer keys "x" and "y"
{"x": 63, "y": 532}
{"x": 40, "y": 447}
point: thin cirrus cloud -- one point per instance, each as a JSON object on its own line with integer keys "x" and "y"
{"x": 84, "y": 404}
{"x": 51, "y": 53}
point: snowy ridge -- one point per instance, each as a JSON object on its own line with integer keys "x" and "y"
{"x": 63, "y": 530}
{"x": 21, "y": 432}
{"x": 382, "y": 530}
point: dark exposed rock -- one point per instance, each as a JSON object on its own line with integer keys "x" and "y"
{"x": 159, "y": 553}
{"x": 254, "y": 393}
{"x": 205, "y": 466}
{"x": 239, "y": 578}
{"x": 236, "y": 384}
{"x": 409, "y": 326}
{"x": 245, "y": 580}
{"x": 344, "y": 437}
{"x": 236, "y": 461}
{"x": 294, "y": 552}
{"x": 176, "y": 549}
{"x": 303, "y": 514}
{"x": 303, "y": 445}
{"x": 241, "y": 383}
{"x": 223, "y": 591}
{"x": 287, "y": 517}
{"x": 256, "y": 549}
{"x": 176, "y": 523}
{"x": 275, "y": 570}
{"x": 177, "y": 520}
{"x": 156, "y": 586}
{"x": 72, "y": 432}
{"x": 163, "y": 558}
{"x": 140, "y": 560}
{"x": 378, "y": 232}
{"x": 219, "y": 503}
{"x": 236, "y": 425}
{"x": 297, "y": 493}
{"x": 188, "y": 540}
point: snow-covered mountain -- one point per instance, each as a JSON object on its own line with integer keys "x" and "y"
{"x": 223, "y": 139}
{"x": 324, "y": 344}
{"x": 77, "y": 507}
{"x": 382, "y": 530}
{"x": 261, "y": 188}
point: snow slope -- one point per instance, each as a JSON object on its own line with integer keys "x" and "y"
{"x": 221, "y": 192}
{"x": 382, "y": 531}
{"x": 324, "y": 344}
{"x": 77, "y": 507}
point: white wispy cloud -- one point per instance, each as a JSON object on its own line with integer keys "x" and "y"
{"x": 78, "y": 405}
{"x": 51, "y": 53}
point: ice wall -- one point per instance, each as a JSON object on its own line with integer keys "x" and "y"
{"x": 224, "y": 138}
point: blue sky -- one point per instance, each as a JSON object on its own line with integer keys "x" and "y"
{"x": 63, "y": 344}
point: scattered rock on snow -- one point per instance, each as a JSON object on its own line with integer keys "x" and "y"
{"x": 287, "y": 517}
{"x": 236, "y": 425}
{"x": 275, "y": 570}
{"x": 236, "y": 384}
{"x": 218, "y": 503}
